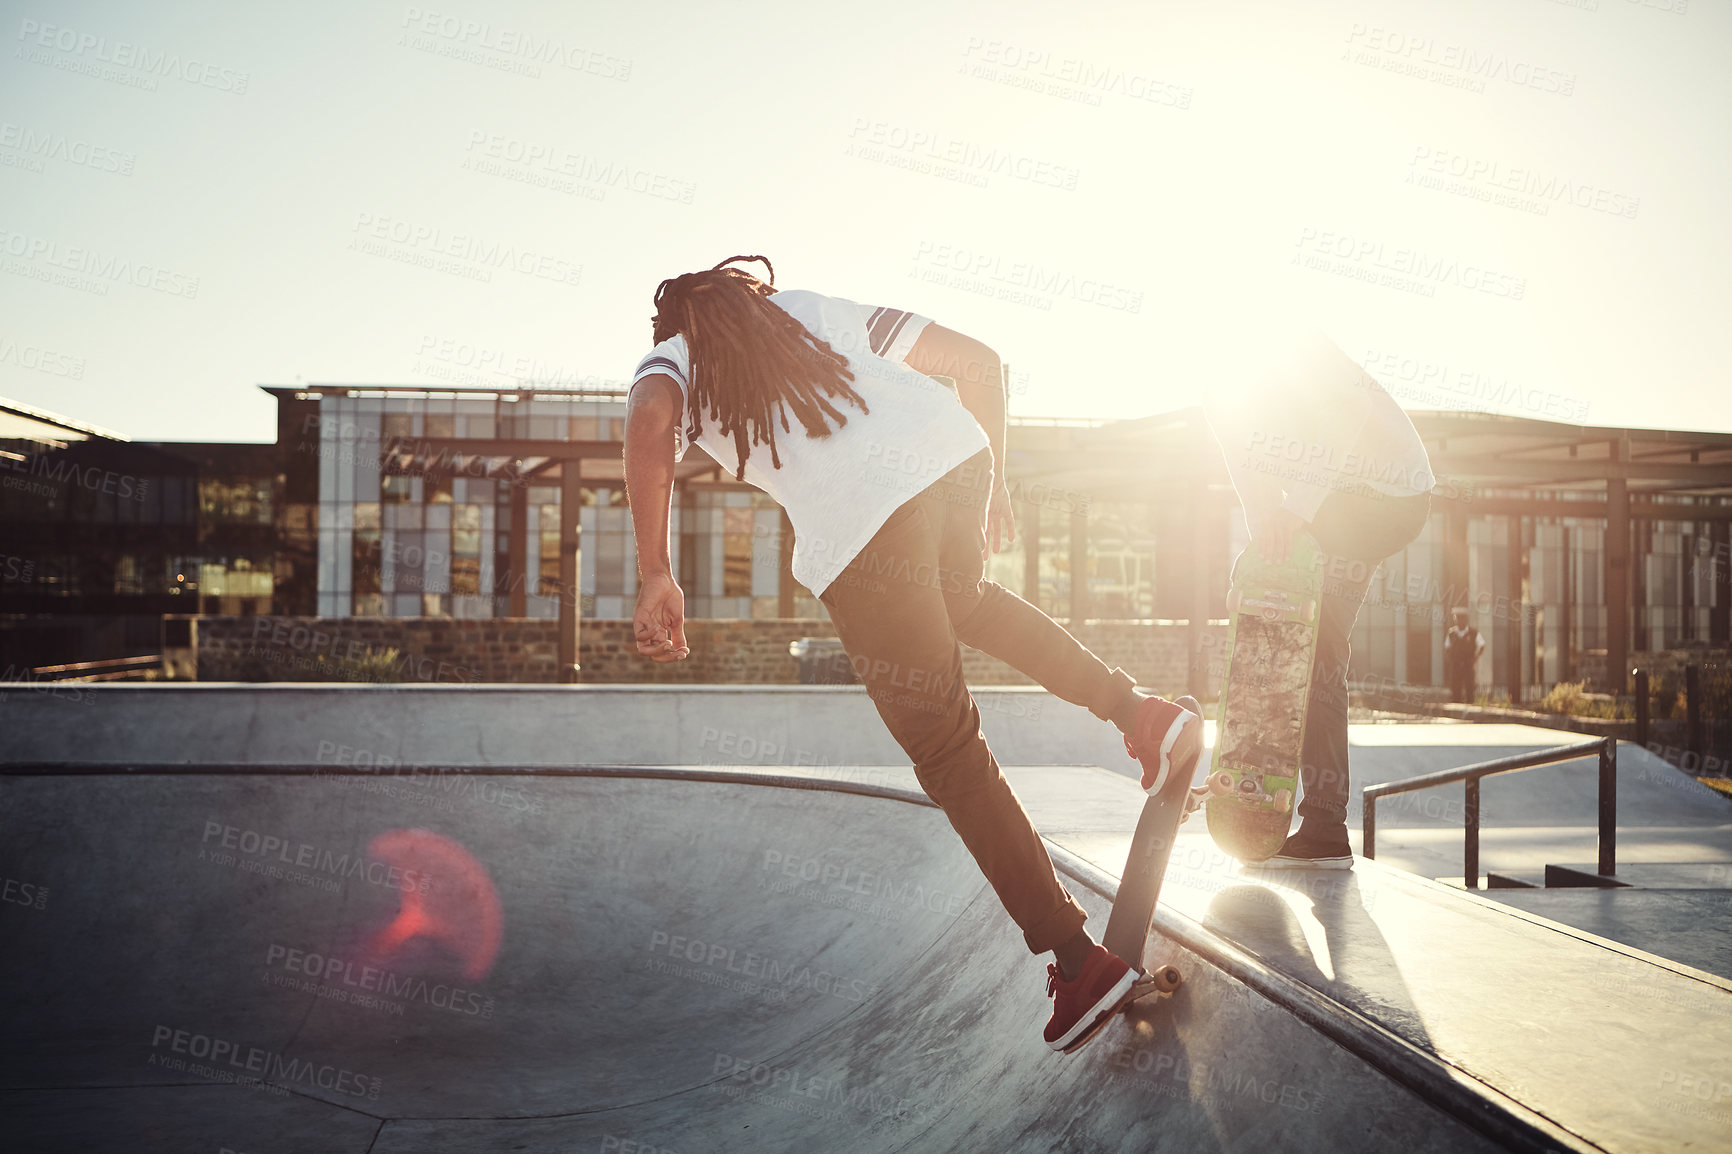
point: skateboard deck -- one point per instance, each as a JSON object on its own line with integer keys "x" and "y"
{"x": 1145, "y": 867}
{"x": 1274, "y": 610}
{"x": 1133, "y": 910}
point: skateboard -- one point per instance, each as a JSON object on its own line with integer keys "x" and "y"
{"x": 1140, "y": 887}
{"x": 1274, "y": 609}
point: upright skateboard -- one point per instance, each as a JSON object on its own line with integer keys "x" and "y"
{"x": 1271, "y": 644}
{"x": 1140, "y": 885}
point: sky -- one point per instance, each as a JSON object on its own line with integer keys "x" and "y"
{"x": 1514, "y": 206}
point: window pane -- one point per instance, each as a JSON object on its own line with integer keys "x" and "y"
{"x": 466, "y": 575}
{"x": 549, "y": 584}
{"x": 737, "y": 562}
{"x": 150, "y": 498}
{"x": 364, "y": 574}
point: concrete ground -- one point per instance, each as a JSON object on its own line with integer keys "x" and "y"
{"x": 1674, "y": 836}
{"x": 1533, "y": 817}
{"x": 198, "y": 955}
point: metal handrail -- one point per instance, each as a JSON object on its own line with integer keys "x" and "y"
{"x": 107, "y": 668}
{"x": 1606, "y": 747}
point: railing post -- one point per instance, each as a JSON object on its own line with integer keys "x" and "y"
{"x": 1693, "y": 719}
{"x": 1368, "y": 849}
{"x": 1470, "y": 852}
{"x": 1641, "y": 680}
{"x": 1608, "y": 866}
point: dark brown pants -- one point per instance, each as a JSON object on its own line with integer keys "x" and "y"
{"x": 902, "y": 609}
{"x": 1356, "y": 532}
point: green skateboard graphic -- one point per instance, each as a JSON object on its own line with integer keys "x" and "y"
{"x": 1271, "y": 643}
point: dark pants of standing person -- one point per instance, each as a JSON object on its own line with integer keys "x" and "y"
{"x": 1356, "y": 531}
{"x": 903, "y": 609}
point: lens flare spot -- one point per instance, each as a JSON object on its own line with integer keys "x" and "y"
{"x": 446, "y": 899}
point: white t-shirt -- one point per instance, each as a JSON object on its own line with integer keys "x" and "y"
{"x": 1297, "y": 420}
{"x": 838, "y": 490}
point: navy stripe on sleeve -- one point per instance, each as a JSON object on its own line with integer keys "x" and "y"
{"x": 890, "y": 341}
{"x": 649, "y": 363}
{"x": 883, "y": 327}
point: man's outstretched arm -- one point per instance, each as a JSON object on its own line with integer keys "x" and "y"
{"x": 979, "y": 377}
{"x": 651, "y": 418}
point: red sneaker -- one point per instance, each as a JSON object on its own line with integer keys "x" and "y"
{"x": 1081, "y": 1007}
{"x": 1168, "y": 737}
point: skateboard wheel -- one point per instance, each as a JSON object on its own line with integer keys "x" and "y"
{"x": 1233, "y": 601}
{"x": 1284, "y": 801}
{"x": 1166, "y": 979}
{"x": 1221, "y": 783}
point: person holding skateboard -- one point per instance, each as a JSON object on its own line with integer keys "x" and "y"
{"x": 894, "y": 484}
{"x": 1312, "y": 442}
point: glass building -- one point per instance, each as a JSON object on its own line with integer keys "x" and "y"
{"x": 414, "y": 501}
{"x": 1573, "y": 547}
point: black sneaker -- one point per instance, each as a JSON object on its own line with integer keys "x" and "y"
{"x": 1310, "y": 849}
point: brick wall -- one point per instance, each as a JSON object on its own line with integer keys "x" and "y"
{"x": 525, "y": 651}
{"x": 429, "y": 649}
{"x": 1154, "y": 653}
{"x": 723, "y": 652}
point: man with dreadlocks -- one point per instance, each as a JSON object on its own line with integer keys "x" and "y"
{"x": 894, "y": 490}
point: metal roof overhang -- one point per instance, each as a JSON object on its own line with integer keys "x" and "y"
{"x": 526, "y": 459}
{"x": 1533, "y": 466}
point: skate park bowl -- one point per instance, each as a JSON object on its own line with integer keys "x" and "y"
{"x": 298, "y": 955}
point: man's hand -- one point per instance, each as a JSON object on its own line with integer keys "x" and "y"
{"x": 660, "y": 621}
{"x": 1275, "y": 535}
{"x": 1000, "y": 521}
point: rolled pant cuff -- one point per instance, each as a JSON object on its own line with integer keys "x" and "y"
{"x": 1058, "y": 927}
{"x": 1109, "y": 700}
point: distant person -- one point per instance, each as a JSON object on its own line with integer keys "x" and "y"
{"x": 1312, "y": 442}
{"x": 894, "y": 490}
{"x": 1462, "y": 645}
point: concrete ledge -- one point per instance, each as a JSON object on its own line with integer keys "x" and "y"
{"x": 1594, "y": 726}
{"x": 233, "y": 724}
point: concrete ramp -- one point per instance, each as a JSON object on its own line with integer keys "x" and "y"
{"x": 677, "y": 960}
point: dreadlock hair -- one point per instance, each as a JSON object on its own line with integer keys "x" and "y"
{"x": 750, "y": 361}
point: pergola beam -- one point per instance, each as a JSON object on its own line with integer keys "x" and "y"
{"x": 1617, "y": 577}
{"x": 1640, "y": 510}
{"x": 1575, "y": 471}
{"x": 500, "y": 447}
{"x": 570, "y": 592}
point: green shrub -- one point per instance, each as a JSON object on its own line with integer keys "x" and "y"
{"x": 1573, "y": 698}
{"x": 1564, "y": 697}
{"x": 378, "y": 667}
